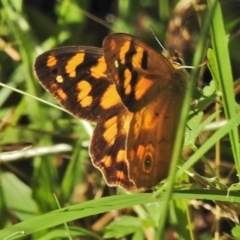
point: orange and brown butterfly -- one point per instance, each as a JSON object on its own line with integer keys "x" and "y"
{"x": 133, "y": 93}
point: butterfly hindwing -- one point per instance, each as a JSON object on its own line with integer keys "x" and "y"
{"x": 151, "y": 138}
{"x": 108, "y": 149}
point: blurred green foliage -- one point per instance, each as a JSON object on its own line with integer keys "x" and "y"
{"x": 27, "y": 184}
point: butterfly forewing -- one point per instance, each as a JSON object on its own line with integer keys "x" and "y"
{"x": 78, "y": 79}
{"x": 136, "y": 70}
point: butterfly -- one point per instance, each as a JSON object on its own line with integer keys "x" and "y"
{"x": 132, "y": 93}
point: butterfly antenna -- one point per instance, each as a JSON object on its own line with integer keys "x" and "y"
{"x": 190, "y": 67}
{"x": 157, "y": 38}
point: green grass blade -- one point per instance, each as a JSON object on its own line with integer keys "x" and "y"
{"x": 106, "y": 204}
{"x": 224, "y": 74}
{"x": 183, "y": 119}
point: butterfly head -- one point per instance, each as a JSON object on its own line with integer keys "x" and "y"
{"x": 176, "y": 60}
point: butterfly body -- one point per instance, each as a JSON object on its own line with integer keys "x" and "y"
{"x": 134, "y": 95}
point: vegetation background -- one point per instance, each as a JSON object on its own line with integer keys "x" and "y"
{"x": 48, "y": 186}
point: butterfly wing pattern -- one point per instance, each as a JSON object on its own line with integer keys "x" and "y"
{"x": 78, "y": 79}
{"x": 133, "y": 93}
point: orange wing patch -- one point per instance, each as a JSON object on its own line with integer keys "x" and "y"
{"x": 51, "y": 61}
